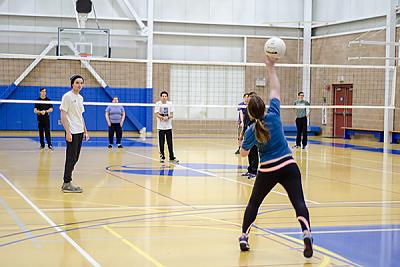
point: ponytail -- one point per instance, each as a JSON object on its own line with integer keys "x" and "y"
{"x": 256, "y": 109}
{"x": 262, "y": 134}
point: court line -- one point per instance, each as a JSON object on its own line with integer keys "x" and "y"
{"x": 353, "y": 166}
{"x": 214, "y": 175}
{"x": 380, "y": 203}
{"x": 347, "y": 231}
{"x": 321, "y": 250}
{"x": 85, "y": 254}
{"x": 20, "y": 224}
{"x": 135, "y": 248}
{"x": 197, "y": 214}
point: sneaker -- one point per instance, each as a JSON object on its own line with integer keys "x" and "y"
{"x": 304, "y": 147}
{"x": 308, "y": 241}
{"x": 237, "y": 152}
{"x": 162, "y": 159}
{"x": 245, "y": 174}
{"x": 295, "y": 146}
{"x": 174, "y": 160}
{"x": 69, "y": 188}
{"x": 109, "y": 146}
{"x": 244, "y": 242}
{"x": 51, "y": 147}
{"x": 251, "y": 175}
{"x": 41, "y": 147}
{"x": 120, "y": 146}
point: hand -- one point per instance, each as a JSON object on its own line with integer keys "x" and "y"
{"x": 165, "y": 118}
{"x": 86, "y": 136}
{"x": 68, "y": 137}
{"x": 109, "y": 124}
{"x": 121, "y": 123}
{"x": 269, "y": 62}
{"x": 241, "y": 125}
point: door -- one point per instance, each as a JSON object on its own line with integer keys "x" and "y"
{"x": 342, "y": 117}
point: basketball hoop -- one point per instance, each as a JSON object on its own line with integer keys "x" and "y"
{"x": 85, "y": 55}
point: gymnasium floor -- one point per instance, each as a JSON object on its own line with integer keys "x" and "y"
{"x": 137, "y": 212}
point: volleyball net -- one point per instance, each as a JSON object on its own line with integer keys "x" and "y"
{"x": 205, "y": 95}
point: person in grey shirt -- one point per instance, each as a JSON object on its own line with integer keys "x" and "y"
{"x": 301, "y": 120}
{"x": 115, "y": 116}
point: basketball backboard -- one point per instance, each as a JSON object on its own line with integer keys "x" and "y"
{"x": 83, "y": 42}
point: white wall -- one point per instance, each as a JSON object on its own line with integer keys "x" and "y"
{"x": 229, "y": 11}
{"x": 339, "y": 10}
{"x": 56, "y": 8}
{"x": 35, "y": 22}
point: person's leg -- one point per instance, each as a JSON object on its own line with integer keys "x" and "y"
{"x": 299, "y": 130}
{"x": 119, "y": 133}
{"x": 79, "y": 138}
{"x": 41, "y": 134}
{"x": 111, "y": 130}
{"x": 161, "y": 143}
{"x": 72, "y": 156}
{"x": 47, "y": 133}
{"x": 170, "y": 144}
{"x": 290, "y": 179}
{"x": 304, "y": 142}
{"x": 253, "y": 161}
{"x": 262, "y": 186}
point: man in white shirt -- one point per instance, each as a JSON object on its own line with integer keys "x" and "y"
{"x": 71, "y": 110}
{"x": 165, "y": 113}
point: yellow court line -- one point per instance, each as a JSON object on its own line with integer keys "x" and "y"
{"x": 324, "y": 262}
{"x": 135, "y": 248}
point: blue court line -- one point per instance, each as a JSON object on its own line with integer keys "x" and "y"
{"x": 171, "y": 171}
{"x": 368, "y": 245}
{"x": 20, "y": 224}
{"x": 355, "y": 147}
{"x": 131, "y": 142}
{"x": 95, "y": 141}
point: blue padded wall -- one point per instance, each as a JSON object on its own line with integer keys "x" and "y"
{"x": 21, "y": 116}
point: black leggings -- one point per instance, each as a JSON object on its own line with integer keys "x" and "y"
{"x": 72, "y": 155}
{"x": 114, "y": 128}
{"x": 301, "y": 125}
{"x": 44, "y": 130}
{"x": 289, "y": 177}
{"x": 253, "y": 160}
{"x": 162, "y": 134}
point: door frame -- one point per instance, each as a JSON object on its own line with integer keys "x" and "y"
{"x": 334, "y": 86}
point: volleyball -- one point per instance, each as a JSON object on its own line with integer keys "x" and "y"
{"x": 275, "y": 48}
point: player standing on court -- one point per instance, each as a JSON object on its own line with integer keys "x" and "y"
{"x": 164, "y": 111}
{"x": 301, "y": 120}
{"x": 75, "y": 130}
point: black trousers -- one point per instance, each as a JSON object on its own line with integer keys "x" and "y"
{"x": 162, "y": 134}
{"x": 301, "y": 125}
{"x": 290, "y": 178}
{"x": 44, "y": 130}
{"x": 72, "y": 156}
{"x": 253, "y": 160}
{"x": 117, "y": 129}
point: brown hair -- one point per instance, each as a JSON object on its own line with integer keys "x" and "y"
{"x": 256, "y": 109}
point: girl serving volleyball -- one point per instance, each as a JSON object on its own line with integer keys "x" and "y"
{"x": 277, "y": 164}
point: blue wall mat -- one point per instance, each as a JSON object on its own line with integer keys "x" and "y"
{"x": 21, "y": 116}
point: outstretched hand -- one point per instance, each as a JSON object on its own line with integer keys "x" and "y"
{"x": 269, "y": 62}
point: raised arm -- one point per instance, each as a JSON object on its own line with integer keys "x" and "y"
{"x": 273, "y": 78}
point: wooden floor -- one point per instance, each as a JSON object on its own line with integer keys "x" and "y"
{"x": 135, "y": 211}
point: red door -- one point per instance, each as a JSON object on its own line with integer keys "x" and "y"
{"x": 342, "y": 117}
